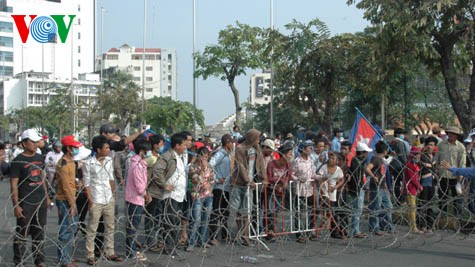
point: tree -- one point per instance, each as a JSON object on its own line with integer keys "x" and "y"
{"x": 239, "y": 48}
{"x": 120, "y": 98}
{"x": 312, "y": 69}
{"x": 441, "y": 34}
{"x": 172, "y": 116}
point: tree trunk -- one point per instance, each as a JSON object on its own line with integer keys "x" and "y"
{"x": 461, "y": 108}
{"x": 237, "y": 103}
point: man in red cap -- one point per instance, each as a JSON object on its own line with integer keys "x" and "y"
{"x": 66, "y": 200}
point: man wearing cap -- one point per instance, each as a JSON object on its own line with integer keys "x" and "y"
{"x": 51, "y": 160}
{"x": 66, "y": 200}
{"x": 304, "y": 173}
{"x": 30, "y": 199}
{"x": 356, "y": 183}
{"x": 452, "y": 151}
{"x": 249, "y": 170}
{"x": 268, "y": 149}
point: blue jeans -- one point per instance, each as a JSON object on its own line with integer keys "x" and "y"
{"x": 357, "y": 203}
{"x": 67, "y": 228}
{"x": 200, "y": 212}
{"x": 386, "y": 217}
{"x": 275, "y": 206}
{"x": 380, "y": 208}
{"x": 134, "y": 216}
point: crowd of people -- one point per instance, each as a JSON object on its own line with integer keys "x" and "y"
{"x": 184, "y": 189}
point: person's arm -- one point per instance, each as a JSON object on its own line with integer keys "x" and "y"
{"x": 215, "y": 161}
{"x": 270, "y": 171}
{"x": 370, "y": 173}
{"x": 465, "y": 172}
{"x": 14, "y": 192}
{"x": 86, "y": 178}
{"x": 159, "y": 174}
{"x": 341, "y": 180}
{"x": 129, "y": 139}
{"x": 141, "y": 182}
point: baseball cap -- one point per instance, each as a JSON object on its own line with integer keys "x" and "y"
{"x": 269, "y": 143}
{"x": 108, "y": 128}
{"x": 69, "y": 140}
{"x": 361, "y": 146}
{"x": 31, "y": 134}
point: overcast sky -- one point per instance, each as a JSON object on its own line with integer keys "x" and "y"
{"x": 170, "y": 25}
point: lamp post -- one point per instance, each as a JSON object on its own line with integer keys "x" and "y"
{"x": 194, "y": 68}
{"x": 272, "y": 74}
{"x": 143, "y": 58}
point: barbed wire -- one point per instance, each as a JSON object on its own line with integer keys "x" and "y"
{"x": 282, "y": 242}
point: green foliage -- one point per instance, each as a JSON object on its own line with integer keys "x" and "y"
{"x": 239, "y": 48}
{"x": 169, "y": 116}
{"x": 120, "y": 98}
{"x": 440, "y": 34}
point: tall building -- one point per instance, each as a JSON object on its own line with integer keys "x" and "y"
{"x": 159, "y": 73}
{"x": 36, "y": 89}
{"x": 61, "y": 60}
{"x": 260, "y": 83}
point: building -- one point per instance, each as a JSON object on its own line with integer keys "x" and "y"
{"x": 61, "y": 60}
{"x": 37, "y": 89}
{"x": 259, "y": 84}
{"x": 159, "y": 72}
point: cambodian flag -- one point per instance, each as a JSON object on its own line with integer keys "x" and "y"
{"x": 362, "y": 131}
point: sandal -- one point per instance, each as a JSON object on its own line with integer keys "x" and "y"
{"x": 182, "y": 242}
{"x": 91, "y": 262}
{"x": 301, "y": 240}
{"x": 115, "y": 258}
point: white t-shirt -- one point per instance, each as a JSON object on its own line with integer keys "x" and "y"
{"x": 178, "y": 180}
{"x": 333, "y": 179}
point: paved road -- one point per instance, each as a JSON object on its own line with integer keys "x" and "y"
{"x": 444, "y": 248}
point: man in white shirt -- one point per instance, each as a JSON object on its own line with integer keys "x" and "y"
{"x": 100, "y": 187}
{"x": 169, "y": 174}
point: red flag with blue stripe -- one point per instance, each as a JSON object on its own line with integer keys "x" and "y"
{"x": 362, "y": 131}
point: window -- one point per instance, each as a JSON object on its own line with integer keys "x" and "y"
{"x": 113, "y": 57}
{"x": 79, "y": 49}
{"x": 79, "y": 63}
{"x": 6, "y": 26}
{"x": 79, "y": 35}
{"x": 136, "y": 68}
{"x": 6, "y": 56}
{"x": 6, "y": 71}
{"x": 79, "y": 21}
{"x": 137, "y": 79}
{"x": 136, "y": 57}
{"x": 79, "y": 8}
{"x": 149, "y": 68}
{"x": 149, "y": 57}
{"x": 149, "y": 79}
{"x": 149, "y": 90}
{"x": 158, "y": 57}
{"x": 6, "y": 41}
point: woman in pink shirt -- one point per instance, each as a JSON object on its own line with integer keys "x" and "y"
{"x": 135, "y": 194}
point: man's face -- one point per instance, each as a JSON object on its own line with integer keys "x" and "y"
{"x": 158, "y": 146}
{"x": 319, "y": 147}
{"x": 41, "y": 143}
{"x": 30, "y": 146}
{"x": 452, "y": 137}
{"x": 429, "y": 148}
{"x": 188, "y": 141}
{"x": 2, "y": 155}
{"x": 267, "y": 151}
{"x": 307, "y": 150}
{"x": 104, "y": 151}
{"x": 181, "y": 148}
{"x": 344, "y": 150}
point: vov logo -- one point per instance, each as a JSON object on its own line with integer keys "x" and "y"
{"x": 43, "y": 29}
